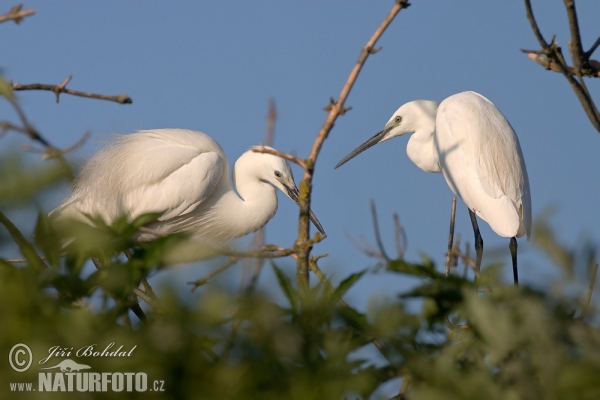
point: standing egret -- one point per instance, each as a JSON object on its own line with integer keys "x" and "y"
{"x": 468, "y": 140}
{"x": 184, "y": 176}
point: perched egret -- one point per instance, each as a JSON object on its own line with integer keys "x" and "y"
{"x": 184, "y": 176}
{"x": 468, "y": 140}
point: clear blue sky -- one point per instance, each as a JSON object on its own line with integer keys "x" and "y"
{"x": 213, "y": 65}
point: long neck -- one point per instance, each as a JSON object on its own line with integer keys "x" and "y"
{"x": 258, "y": 202}
{"x": 225, "y": 215}
{"x": 421, "y": 150}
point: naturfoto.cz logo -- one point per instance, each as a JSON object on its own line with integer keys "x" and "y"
{"x": 69, "y": 375}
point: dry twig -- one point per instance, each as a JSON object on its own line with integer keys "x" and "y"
{"x": 335, "y": 109}
{"x": 259, "y": 237}
{"x": 16, "y": 14}
{"x": 551, "y": 57}
{"x": 61, "y": 88}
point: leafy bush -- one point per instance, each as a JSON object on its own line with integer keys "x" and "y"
{"x": 504, "y": 342}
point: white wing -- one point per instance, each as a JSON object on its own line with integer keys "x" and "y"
{"x": 190, "y": 178}
{"x": 482, "y": 162}
{"x": 166, "y": 171}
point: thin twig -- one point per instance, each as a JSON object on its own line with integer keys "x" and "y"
{"x": 377, "y": 233}
{"x": 287, "y": 156}
{"x": 60, "y": 88}
{"x": 199, "y": 282}
{"x": 335, "y": 109}
{"x": 259, "y": 237}
{"x": 588, "y": 299}
{"x": 51, "y": 154}
{"x": 400, "y": 237}
{"x": 266, "y": 251}
{"x": 556, "y": 60}
{"x": 29, "y": 130}
{"x": 16, "y": 14}
{"x": 578, "y": 55}
{"x": 366, "y": 247}
{"x": 589, "y": 53}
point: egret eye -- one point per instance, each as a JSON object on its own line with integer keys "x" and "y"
{"x": 398, "y": 119}
{"x": 278, "y": 174}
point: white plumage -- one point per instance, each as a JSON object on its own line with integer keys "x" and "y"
{"x": 468, "y": 140}
{"x": 183, "y": 175}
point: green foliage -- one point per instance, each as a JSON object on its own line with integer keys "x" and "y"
{"x": 446, "y": 337}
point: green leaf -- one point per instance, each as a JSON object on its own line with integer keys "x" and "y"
{"x": 19, "y": 183}
{"x": 6, "y": 90}
{"x": 47, "y": 239}
{"x": 348, "y": 283}
{"x": 26, "y": 248}
{"x": 425, "y": 270}
{"x": 288, "y": 289}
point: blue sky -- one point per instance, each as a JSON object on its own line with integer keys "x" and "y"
{"x": 213, "y": 65}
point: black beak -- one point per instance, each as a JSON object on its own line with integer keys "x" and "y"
{"x": 369, "y": 143}
{"x": 293, "y": 194}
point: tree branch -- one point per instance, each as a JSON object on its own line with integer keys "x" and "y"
{"x": 61, "y": 88}
{"x": 16, "y": 14}
{"x": 556, "y": 62}
{"x": 289, "y": 157}
{"x": 335, "y": 109}
{"x": 259, "y": 237}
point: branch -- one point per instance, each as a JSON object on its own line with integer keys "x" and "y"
{"x": 555, "y": 60}
{"x": 335, "y": 109}
{"x": 199, "y": 282}
{"x": 579, "y": 60}
{"x": 551, "y": 65}
{"x": 400, "y": 237}
{"x": 61, "y": 88}
{"x": 29, "y": 130}
{"x": 377, "y": 233}
{"x": 16, "y": 14}
{"x": 266, "y": 251}
{"x": 289, "y": 157}
{"x": 259, "y": 237}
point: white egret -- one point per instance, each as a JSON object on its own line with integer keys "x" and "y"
{"x": 468, "y": 140}
{"x": 184, "y": 176}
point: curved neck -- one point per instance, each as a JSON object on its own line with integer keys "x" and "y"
{"x": 421, "y": 149}
{"x": 251, "y": 210}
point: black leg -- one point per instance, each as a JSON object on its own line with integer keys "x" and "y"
{"x": 513, "y": 252}
{"x": 478, "y": 243}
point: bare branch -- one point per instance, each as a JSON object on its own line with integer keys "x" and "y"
{"x": 534, "y": 26}
{"x": 266, "y": 251}
{"x": 199, "y": 282}
{"x": 579, "y": 60}
{"x": 588, "y": 298}
{"x": 589, "y": 53}
{"x": 61, "y": 88}
{"x": 377, "y": 234}
{"x": 46, "y": 153}
{"x": 581, "y": 63}
{"x": 259, "y": 237}
{"x": 400, "y": 237}
{"x": 337, "y": 108}
{"x": 289, "y": 157}
{"x": 29, "y": 130}
{"x": 16, "y": 14}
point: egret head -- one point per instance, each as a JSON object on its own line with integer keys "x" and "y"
{"x": 276, "y": 171}
{"x": 408, "y": 118}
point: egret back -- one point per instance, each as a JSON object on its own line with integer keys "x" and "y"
{"x": 169, "y": 171}
{"x": 481, "y": 159}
